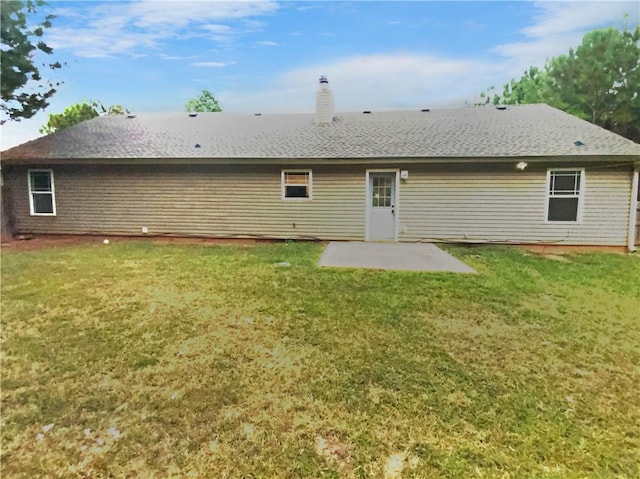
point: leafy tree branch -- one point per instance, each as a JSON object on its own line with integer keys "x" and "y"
{"x": 23, "y": 90}
{"x": 79, "y": 112}
{"x": 205, "y": 102}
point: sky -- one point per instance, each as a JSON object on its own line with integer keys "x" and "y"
{"x": 266, "y": 56}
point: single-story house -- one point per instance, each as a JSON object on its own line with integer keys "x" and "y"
{"x": 526, "y": 174}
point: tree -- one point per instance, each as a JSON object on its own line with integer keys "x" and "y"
{"x": 598, "y": 82}
{"x": 19, "y": 74}
{"x": 79, "y": 112}
{"x": 203, "y": 103}
{"x": 529, "y": 89}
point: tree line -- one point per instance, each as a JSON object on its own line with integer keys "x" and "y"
{"x": 599, "y": 81}
{"x": 88, "y": 109}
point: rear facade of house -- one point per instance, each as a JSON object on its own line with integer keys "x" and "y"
{"x": 433, "y": 202}
{"x": 419, "y": 176}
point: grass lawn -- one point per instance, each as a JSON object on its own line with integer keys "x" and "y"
{"x": 140, "y": 359}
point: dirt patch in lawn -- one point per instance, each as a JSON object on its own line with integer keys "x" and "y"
{"x": 559, "y": 250}
{"x": 34, "y": 242}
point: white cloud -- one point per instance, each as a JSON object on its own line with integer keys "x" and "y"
{"x": 217, "y": 28}
{"x": 112, "y": 29}
{"x": 564, "y": 17}
{"x": 376, "y": 82}
{"x": 307, "y": 7}
{"x": 521, "y": 55}
{"x": 559, "y": 26}
{"x": 212, "y": 64}
{"x": 267, "y": 43}
{"x": 176, "y": 57}
{"x": 387, "y": 81}
{"x": 154, "y": 13}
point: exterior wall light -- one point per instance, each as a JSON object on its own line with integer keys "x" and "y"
{"x": 521, "y": 166}
{"x": 404, "y": 174}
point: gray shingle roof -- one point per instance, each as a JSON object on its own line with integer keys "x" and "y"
{"x": 485, "y": 132}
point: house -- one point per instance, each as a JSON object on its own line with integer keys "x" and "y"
{"x": 526, "y": 174}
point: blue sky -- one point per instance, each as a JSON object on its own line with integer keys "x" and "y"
{"x": 266, "y": 56}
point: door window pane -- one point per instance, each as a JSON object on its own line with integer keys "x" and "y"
{"x": 381, "y": 191}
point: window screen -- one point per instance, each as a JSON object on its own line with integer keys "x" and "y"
{"x": 564, "y": 195}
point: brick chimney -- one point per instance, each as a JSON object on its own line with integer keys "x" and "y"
{"x": 324, "y": 102}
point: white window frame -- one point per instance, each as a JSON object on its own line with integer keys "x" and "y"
{"x": 579, "y": 196}
{"x": 283, "y": 185}
{"x": 31, "y": 193}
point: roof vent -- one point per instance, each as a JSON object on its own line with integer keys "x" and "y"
{"x": 197, "y": 145}
{"x": 323, "y": 79}
{"x": 131, "y": 116}
{"x": 193, "y": 114}
{"x": 578, "y": 143}
{"x": 257, "y": 114}
{"x": 425, "y": 110}
{"x": 367, "y": 112}
{"x": 501, "y": 107}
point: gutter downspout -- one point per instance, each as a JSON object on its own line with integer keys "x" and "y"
{"x": 633, "y": 209}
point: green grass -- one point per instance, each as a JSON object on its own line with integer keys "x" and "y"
{"x": 176, "y": 360}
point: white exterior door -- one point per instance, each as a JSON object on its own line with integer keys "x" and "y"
{"x": 381, "y": 206}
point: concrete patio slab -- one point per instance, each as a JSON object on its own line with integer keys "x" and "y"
{"x": 391, "y": 256}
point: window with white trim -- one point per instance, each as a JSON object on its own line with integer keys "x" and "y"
{"x": 565, "y": 188}
{"x": 42, "y": 198}
{"x": 296, "y": 184}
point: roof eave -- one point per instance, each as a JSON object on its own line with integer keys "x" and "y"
{"x": 315, "y": 160}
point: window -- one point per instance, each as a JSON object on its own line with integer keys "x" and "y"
{"x": 296, "y": 184}
{"x": 382, "y": 190}
{"x": 42, "y": 200}
{"x": 565, "y": 188}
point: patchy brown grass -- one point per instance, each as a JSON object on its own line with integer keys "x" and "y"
{"x": 140, "y": 359}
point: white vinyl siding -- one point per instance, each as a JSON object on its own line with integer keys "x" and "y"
{"x": 42, "y": 199}
{"x": 202, "y": 200}
{"x": 502, "y": 205}
{"x": 479, "y": 203}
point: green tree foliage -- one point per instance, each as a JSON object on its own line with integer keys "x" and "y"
{"x": 24, "y": 92}
{"x": 203, "y": 103}
{"x": 529, "y": 89}
{"x": 599, "y": 82}
{"x": 79, "y": 112}
{"x": 489, "y": 97}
